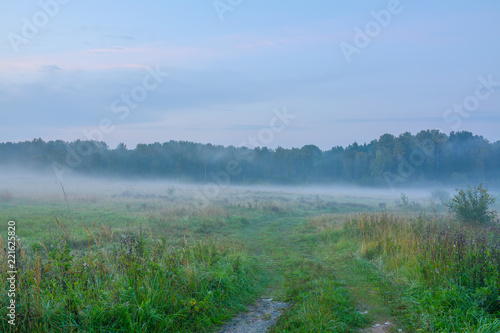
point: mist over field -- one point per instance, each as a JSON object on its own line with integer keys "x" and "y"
{"x": 428, "y": 158}
{"x": 29, "y": 184}
{"x": 225, "y": 166}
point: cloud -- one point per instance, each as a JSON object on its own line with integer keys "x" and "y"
{"x": 191, "y": 53}
{"x": 50, "y": 69}
{"x": 388, "y": 120}
{"x": 122, "y": 37}
{"x": 98, "y": 59}
{"x": 243, "y": 127}
{"x": 108, "y": 50}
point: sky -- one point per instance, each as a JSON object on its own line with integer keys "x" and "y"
{"x": 247, "y": 73}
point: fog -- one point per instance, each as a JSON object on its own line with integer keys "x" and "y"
{"x": 28, "y": 184}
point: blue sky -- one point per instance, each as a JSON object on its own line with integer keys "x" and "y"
{"x": 66, "y": 65}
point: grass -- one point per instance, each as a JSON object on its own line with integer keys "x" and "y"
{"x": 450, "y": 270}
{"x": 320, "y": 303}
{"x": 116, "y": 274}
{"x": 137, "y": 285}
{"x": 330, "y": 290}
{"x": 135, "y": 261}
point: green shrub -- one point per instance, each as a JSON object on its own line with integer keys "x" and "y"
{"x": 472, "y": 206}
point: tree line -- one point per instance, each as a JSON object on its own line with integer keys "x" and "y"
{"x": 428, "y": 156}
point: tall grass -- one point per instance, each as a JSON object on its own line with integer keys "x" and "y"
{"x": 320, "y": 302}
{"x": 452, "y": 270}
{"x": 128, "y": 283}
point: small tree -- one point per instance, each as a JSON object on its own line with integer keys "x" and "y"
{"x": 472, "y": 206}
{"x": 405, "y": 200}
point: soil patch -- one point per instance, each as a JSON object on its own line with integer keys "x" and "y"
{"x": 258, "y": 319}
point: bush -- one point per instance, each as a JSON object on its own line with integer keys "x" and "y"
{"x": 472, "y": 206}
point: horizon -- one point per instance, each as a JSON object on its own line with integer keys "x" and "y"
{"x": 250, "y": 147}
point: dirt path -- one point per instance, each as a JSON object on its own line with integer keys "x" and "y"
{"x": 378, "y": 328}
{"x": 258, "y": 319}
{"x": 271, "y": 243}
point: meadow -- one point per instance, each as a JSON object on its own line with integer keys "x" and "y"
{"x": 149, "y": 257}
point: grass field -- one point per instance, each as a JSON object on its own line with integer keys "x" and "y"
{"x": 131, "y": 258}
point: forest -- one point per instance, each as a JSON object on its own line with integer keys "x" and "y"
{"x": 430, "y": 156}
